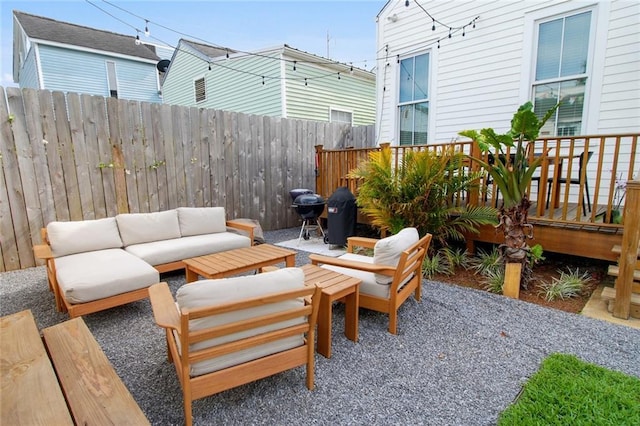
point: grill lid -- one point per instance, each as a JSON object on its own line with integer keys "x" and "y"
{"x": 308, "y": 199}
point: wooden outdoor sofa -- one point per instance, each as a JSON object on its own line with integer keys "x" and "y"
{"x": 390, "y": 277}
{"x": 98, "y": 264}
{"x": 227, "y": 332}
{"x": 81, "y": 387}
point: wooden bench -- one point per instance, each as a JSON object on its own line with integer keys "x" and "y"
{"x": 83, "y": 388}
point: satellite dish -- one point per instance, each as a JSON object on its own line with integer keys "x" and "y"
{"x": 163, "y": 65}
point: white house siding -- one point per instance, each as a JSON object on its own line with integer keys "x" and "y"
{"x": 324, "y": 91}
{"x": 620, "y": 102}
{"x": 85, "y": 72}
{"x": 477, "y": 81}
{"x": 233, "y": 84}
{"x": 29, "y": 72}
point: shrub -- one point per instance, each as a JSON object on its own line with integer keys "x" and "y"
{"x": 569, "y": 284}
{"x": 435, "y": 265}
{"x": 494, "y": 280}
{"x": 485, "y": 262}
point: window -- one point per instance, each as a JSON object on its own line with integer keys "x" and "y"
{"x": 112, "y": 79}
{"x": 413, "y": 102}
{"x": 561, "y": 72}
{"x": 338, "y": 116}
{"x": 200, "y": 88}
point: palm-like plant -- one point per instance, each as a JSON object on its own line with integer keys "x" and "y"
{"x": 420, "y": 194}
{"x": 512, "y": 173}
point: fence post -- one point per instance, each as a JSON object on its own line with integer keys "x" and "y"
{"x": 629, "y": 252}
{"x": 319, "y": 168}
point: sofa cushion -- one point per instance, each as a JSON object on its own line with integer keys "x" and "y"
{"x": 88, "y": 276}
{"x": 159, "y": 252}
{"x": 369, "y": 285}
{"x": 387, "y": 250}
{"x": 67, "y": 238}
{"x": 136, "y": 228}
{"x": 201, "y": 220}
{"x": 225, "y": 290}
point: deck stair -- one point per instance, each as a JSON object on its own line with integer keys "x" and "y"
{"x": 609, "y": 293}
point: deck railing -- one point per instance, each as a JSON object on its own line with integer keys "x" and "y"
{"x": 581, "y": 179}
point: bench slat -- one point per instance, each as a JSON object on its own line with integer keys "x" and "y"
{"x": 30, "y": 391}
{"x": 95, "y": 392}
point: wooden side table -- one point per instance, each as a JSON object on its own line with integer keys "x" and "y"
{"x": 335, "y": 286}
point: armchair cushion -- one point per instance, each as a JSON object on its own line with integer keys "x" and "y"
{"x": 137, "y": 228}
{"x": 201, "y": 220}
{"x": 81, "y": 236}
{"x": 387, "y": 250}
{"x": 220, "y": 291}
{"x": 369, "y": 285}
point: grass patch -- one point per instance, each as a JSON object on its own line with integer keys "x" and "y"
{"x": 568, "y": 391}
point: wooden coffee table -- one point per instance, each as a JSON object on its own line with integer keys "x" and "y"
{"x": 335, "y": 286}
{"x": 231, "y": 262}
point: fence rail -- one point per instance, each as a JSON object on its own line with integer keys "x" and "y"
{"x": 75, "y": 157}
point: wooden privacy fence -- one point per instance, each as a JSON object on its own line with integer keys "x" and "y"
{"x": 74, "y": 157}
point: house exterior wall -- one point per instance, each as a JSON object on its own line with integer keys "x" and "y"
{"x": 324, "y": 91}
{"x": 29, "y": 72}
{"x": 480, "y": 79}
{"x": 231, "y": 85}
{"x": 80, "y": 71}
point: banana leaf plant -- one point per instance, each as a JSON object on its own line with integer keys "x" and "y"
{"x": 512, "y": 172}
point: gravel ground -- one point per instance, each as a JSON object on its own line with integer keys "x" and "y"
{"x": 460, "y": 358}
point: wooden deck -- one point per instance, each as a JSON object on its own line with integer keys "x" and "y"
{"x": 561, "y": 226}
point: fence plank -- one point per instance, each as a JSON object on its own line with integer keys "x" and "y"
{"x": 11, "y": 204}
{"x": 93, "y": 157}
{"x": 79, "y": 149}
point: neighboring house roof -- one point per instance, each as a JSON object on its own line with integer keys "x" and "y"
{"x": 208, "y": 50}
{"x": 47, "y": 29}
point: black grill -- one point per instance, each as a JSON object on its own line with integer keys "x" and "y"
{"x": 309, "y": 207}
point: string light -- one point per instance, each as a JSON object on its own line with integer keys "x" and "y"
{"x": 338, "y": 76}
{"x": 397, "y": 59}
{"x": 449, "y": 32}
{"x": 138, "y": 40}
{"x": 464, "y": 29}
{"x": 146, "y": 28}
{"x": 227, "y": 53}
{"x": 263, "y": 80}
{"x": 294, "y": 65}
{"x": 406, "y": 3}
{"x": 438, "y": 44}
{"x": 305, "y": 81}
{"x": 433, "y": 27}
{"x": 209, "y": 66}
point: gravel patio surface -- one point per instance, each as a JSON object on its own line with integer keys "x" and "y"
{"x": 460, "y": 357}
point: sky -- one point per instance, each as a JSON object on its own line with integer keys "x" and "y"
{"x": 341, "y": 30}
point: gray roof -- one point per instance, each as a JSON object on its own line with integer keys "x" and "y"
{"x": 208, "y": 50}
{"x": 38, "y": 27}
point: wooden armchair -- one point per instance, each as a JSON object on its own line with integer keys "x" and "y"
{"x": 228, "y": 332}
{"x": 376, "y": 292}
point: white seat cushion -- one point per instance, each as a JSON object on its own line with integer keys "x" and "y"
{"x": 225, "y": 290}
{"x": 83, "y": 235}
{"x": 369, "y": 284}
{"x": 159, "y": 252}
{"x": 89, "y": 276}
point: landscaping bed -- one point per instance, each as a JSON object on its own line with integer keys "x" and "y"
{"x": 545, "y": 272}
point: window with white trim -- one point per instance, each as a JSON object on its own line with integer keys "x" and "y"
{"x": 561, "y": 72}
{"x": 340, "y": 116}
{"x": 200, "y": 90}
{"x": 413, "y": 100}
{"x": 112, "y": 79}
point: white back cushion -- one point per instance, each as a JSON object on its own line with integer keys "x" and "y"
{"x": 84, "y": 235}
{"x": 137, "y": 228}
{"x": 201, "y": 220}
{"x": 387, "y": 250}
